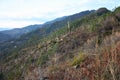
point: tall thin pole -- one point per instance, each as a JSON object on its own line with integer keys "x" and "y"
{"x": 68, "y": 23}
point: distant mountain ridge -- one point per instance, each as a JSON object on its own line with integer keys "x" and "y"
{"x": 4, "y": 37}
{"x": 71, "y": 17}
{"x": 53, "y": 25}
{"x": 7, "y": 35}
{"x": 17, "y": 32}
{"x": 48, "y": 26}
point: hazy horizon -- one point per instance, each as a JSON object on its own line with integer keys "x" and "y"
{"x": 17, "y": 14}
{"x": 2, "y": 29}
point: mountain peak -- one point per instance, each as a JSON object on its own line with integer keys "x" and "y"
{"x": 102, "y": 10}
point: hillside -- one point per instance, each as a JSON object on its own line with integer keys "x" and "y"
{"x": 17, "y": 32}
{"x": 4, "y": 37}
{"x": 31, "y": 35}
{"x": 86, "y": 49}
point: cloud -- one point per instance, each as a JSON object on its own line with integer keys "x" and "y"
{"x": 19, "y": 13}
{"x": 13, "y": 23}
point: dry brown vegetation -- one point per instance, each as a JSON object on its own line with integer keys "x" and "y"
{"x": 104, "y": 65}
{"x": 79, "y": 54}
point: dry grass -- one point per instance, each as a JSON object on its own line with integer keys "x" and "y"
{"x": 104, "y": 65}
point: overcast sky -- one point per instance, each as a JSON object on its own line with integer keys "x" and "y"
{"x": 20, "y": 13}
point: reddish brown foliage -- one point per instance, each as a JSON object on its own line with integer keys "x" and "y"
{"x": 94, "y": 67}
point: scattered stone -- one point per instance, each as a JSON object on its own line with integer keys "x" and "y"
{"x": 44, "y": 78}
{"x": 76, "y": 66}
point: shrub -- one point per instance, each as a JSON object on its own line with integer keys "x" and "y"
{"x": 43, "y": 59}
{"x": 78, "y": 59}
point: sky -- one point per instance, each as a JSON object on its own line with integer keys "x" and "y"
{"x": 21, "y": 13}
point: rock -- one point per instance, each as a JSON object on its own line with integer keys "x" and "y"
{"x": 44, "y": 78}
{"x": 76, "y": 66}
